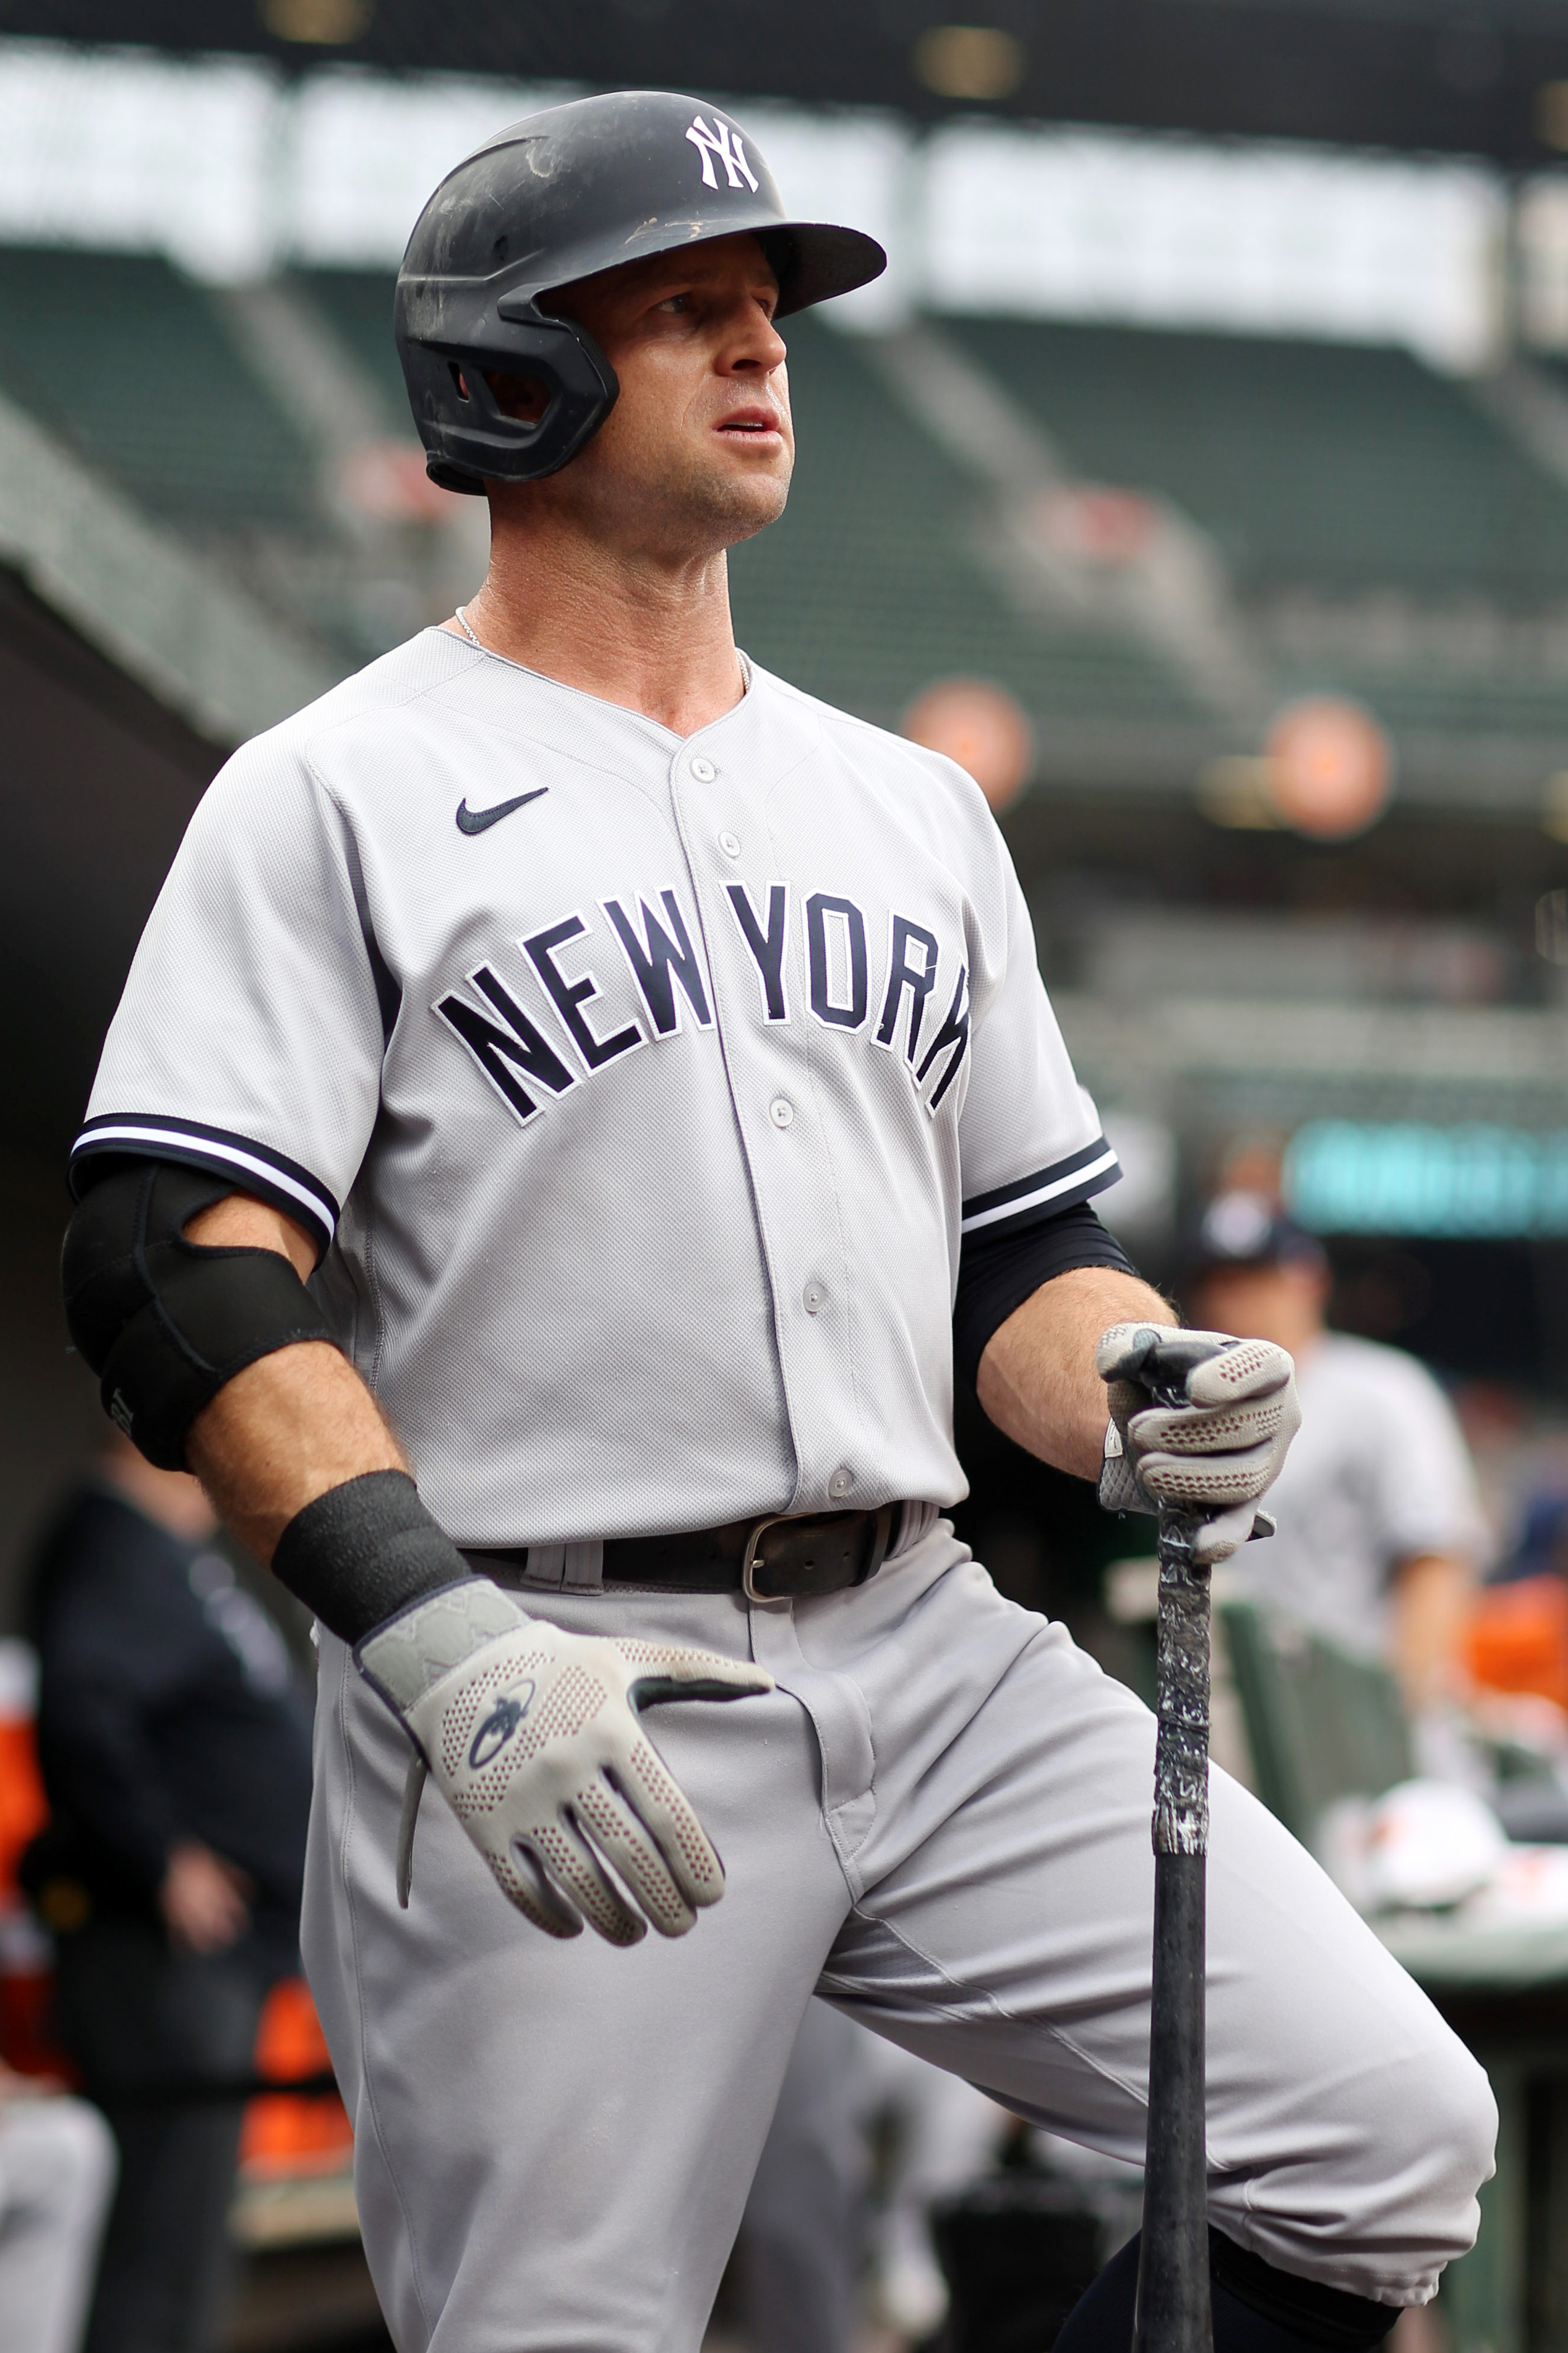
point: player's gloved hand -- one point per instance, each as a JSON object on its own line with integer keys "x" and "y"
{"x": 531, "y": 1735}
{"x": 1217, "y": 1448}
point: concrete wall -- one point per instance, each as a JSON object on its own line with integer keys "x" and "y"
{"x": 50, "y": 1414}
{"x": 96, "y": 782}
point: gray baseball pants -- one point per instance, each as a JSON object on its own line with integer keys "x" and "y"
{"x": 57, "y": 2176}
{"x": 940, "y": 1819}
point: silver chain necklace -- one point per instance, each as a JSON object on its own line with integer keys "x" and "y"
{"x": 463, "y": 624}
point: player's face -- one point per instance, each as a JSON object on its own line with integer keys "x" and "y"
{"x": 697, "y": 451}
{"x": 1282, "y": 1303}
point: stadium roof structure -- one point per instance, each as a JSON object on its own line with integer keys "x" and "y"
{"x": 1410, "y": 74}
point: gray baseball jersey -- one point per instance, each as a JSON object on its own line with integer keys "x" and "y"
{"x": 637, "y": 1088}
{"x": 657, "y": 1082}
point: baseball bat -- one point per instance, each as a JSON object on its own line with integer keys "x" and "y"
{"x": 1173, "y": 2306}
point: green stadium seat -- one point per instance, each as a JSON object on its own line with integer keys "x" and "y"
{"x": 132, "y": 363}
{"x": 358, "y": 304}
{"x": 1334, "y": 472}
{"x": 871, "y": 586}
{"x": 1312, "y": 465}
{"x": 1320, "y": 1724}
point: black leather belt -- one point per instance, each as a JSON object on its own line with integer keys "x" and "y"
{"x": 778, "y": 1559}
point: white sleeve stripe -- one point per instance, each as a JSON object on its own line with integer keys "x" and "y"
{"x": 1091, "y": 1179}
{"x": 146, "y": 1135}
{"x": 1071, "y": 1165}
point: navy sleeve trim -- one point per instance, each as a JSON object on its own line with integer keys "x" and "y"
{"x": 998, "y": 1270}
{"x": 271, "y": 1175}
{"x": 1058, "y": 1186}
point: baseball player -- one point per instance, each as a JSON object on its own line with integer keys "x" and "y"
{"x": 572, "y": 1069}
{"x": 1380, "y": 1527}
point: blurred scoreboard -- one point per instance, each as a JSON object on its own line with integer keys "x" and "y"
{"x": 1476, "y": 1182}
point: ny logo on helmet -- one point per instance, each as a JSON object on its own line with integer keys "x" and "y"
{"x": 727, "y": 145}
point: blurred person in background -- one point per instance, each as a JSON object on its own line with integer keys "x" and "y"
{"x": 817, "y": 2222}
{"x": 801, "y": 2242}
{"x": 57, "y": 2175}
{"x": 175, "y": 1749}
{"x": 1379, "y": 1527}
{"x": 945, "y": 2136}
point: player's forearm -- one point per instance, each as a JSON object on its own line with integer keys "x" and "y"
{"x": 1431, "y": 1608}
{"x": 1037, "y": 1379}
{"x": 291, "y": 1425}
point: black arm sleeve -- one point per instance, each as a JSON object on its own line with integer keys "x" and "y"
{"x": 998, "y": 1270}
{"x": 166, "y": 1322}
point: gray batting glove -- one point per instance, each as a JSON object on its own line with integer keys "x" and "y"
{"x": 531, "y": 1735}
{"x": 1217, "y": 1450}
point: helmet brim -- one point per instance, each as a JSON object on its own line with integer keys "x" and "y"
{"x": 819, "y": 262}
{"x": 813, "y": 260}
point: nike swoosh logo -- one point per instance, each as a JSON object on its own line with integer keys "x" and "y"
{"x": 480, "y": 820}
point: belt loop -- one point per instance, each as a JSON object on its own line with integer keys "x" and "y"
{"x": 915, "y": 1521}
{"x": 545, "y": 1564}
{"x": 582, "y": 1569}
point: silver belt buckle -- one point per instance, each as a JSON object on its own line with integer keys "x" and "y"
{"x": 749, "y": 1559}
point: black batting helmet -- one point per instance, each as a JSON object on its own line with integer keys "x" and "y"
{"x": 553, "y": 198}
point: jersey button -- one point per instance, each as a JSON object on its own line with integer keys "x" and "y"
{"x": 841, "y": 1483}
{"x": 703, "y": 770}
{"x": 813, "y": 1297}
{"x": 781, "y": 1111}
{"x": 730, "y": 843}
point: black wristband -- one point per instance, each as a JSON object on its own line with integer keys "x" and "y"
{"x": 364, "y": 1551}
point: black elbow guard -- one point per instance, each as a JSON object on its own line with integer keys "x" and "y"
{"x": 164, "y": 1321}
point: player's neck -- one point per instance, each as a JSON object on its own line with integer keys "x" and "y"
{"x": 654, "y": 637}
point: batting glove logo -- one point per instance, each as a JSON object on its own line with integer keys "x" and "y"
{"x": 498, "y": 1728}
